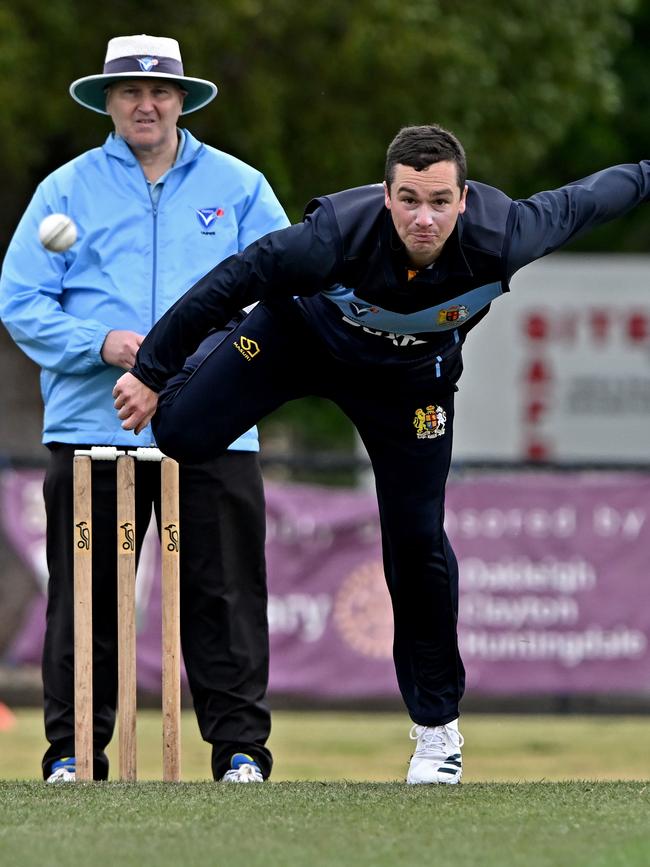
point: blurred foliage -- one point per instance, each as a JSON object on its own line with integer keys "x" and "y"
{"x": 312, "y": 93}
{"x": 598, "y": 139}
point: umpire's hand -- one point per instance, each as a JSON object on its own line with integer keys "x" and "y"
{"x": 135, "y": 402}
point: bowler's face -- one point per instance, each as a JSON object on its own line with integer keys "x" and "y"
{"x": 145, "y": 112}
{"x": 424, "y": 206}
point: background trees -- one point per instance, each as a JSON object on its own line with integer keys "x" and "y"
{"x": 311, "y": 93}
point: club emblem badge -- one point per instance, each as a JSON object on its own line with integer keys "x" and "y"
{"x": 147, "y": 63}
{"x": 430, "y": 423}
{"x": 207, "y": 216}
{"x": 363, "y": 310}
{"x": 456, "y": 313}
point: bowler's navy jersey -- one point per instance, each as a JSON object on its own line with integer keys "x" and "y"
{"x": 384, "y": 311}
{"x": 348, "y": 270}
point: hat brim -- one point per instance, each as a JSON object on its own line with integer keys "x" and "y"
{"x": 91, "y": 90}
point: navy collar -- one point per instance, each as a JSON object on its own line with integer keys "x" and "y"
{"x": 451, "y": 262}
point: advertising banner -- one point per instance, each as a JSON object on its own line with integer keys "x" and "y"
{"x": 554, "y": 575}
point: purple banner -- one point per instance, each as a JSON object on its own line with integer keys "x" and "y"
{"x": 553, "y": 571}
{"x": 553, "y": 585}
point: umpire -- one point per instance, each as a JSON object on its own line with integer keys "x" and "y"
{"x": 155, "y": 209}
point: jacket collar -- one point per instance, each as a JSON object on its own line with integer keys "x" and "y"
{"x": 115, "y": 146}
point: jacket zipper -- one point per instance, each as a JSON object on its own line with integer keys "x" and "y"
{"x": 154, "y": 276}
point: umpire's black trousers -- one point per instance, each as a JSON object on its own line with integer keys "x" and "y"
{"x": 224, "y": 631}
{"x": 272, "y": 356}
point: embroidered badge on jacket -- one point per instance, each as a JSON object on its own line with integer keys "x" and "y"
{"x": 207, "y": 216}
{"x": 430, "y": 423}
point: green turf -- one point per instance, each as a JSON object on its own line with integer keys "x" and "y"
{"x": 344, "y": 824}
{"x": 375, "y": 747}
{"x": 312, "y": 818}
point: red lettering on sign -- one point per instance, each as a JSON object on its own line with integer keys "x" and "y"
{"x": 534, "y": 410}
{"x": 536, "y": 450}
{"x": 536, "y": 326}
{"x": 599, "y": 322}
{"x": 538, "y": 371}
{"x": 638, "y": 328}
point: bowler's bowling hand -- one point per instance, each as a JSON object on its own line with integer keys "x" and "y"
{"x": 135, "y": 402}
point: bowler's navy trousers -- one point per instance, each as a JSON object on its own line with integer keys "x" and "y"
{"x": 404, "y": 415}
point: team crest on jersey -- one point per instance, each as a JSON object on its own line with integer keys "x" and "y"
{"x": 430, "y": 423}
{"x": 207, "y": 216}
{"x": 454, "y": 314}
{"x": 146, "y": 64}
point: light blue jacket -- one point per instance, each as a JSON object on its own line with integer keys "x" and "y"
{"x": 132, "y": 261}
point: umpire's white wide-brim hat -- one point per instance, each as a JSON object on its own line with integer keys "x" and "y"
{"x": 142, "y": 57}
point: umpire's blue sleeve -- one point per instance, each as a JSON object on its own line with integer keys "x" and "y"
{"x": 298, "y": 260}
{"x": 548, "y": 220}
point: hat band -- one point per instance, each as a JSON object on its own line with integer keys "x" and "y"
{"x": 144, "y": 63}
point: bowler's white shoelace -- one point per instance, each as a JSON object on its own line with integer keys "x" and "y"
{"x": 436, "y": 740}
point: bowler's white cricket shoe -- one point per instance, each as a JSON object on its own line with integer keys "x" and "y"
{"x": 437, "y": 757}
{"x": 63, "y": 771}
{"x": 243, "y": 769}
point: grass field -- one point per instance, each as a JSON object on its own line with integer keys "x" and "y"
{"x": 326, "y": 746}
{"x": 538, "y": 791}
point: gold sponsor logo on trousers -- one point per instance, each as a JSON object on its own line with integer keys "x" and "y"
{"x": 248, "y": 347}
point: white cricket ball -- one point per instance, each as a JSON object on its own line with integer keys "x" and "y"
{"x": 57, "y": 232}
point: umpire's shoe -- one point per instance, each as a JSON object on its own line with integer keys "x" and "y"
{"x": 437, "y": 757}
{"x": 243, "y": 769}
{"x": 63, "y": 770}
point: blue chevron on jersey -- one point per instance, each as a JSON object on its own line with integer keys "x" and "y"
{"x": 440, "y": 317}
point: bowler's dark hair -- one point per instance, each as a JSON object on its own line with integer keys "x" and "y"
{"x": 421, "y": 146}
